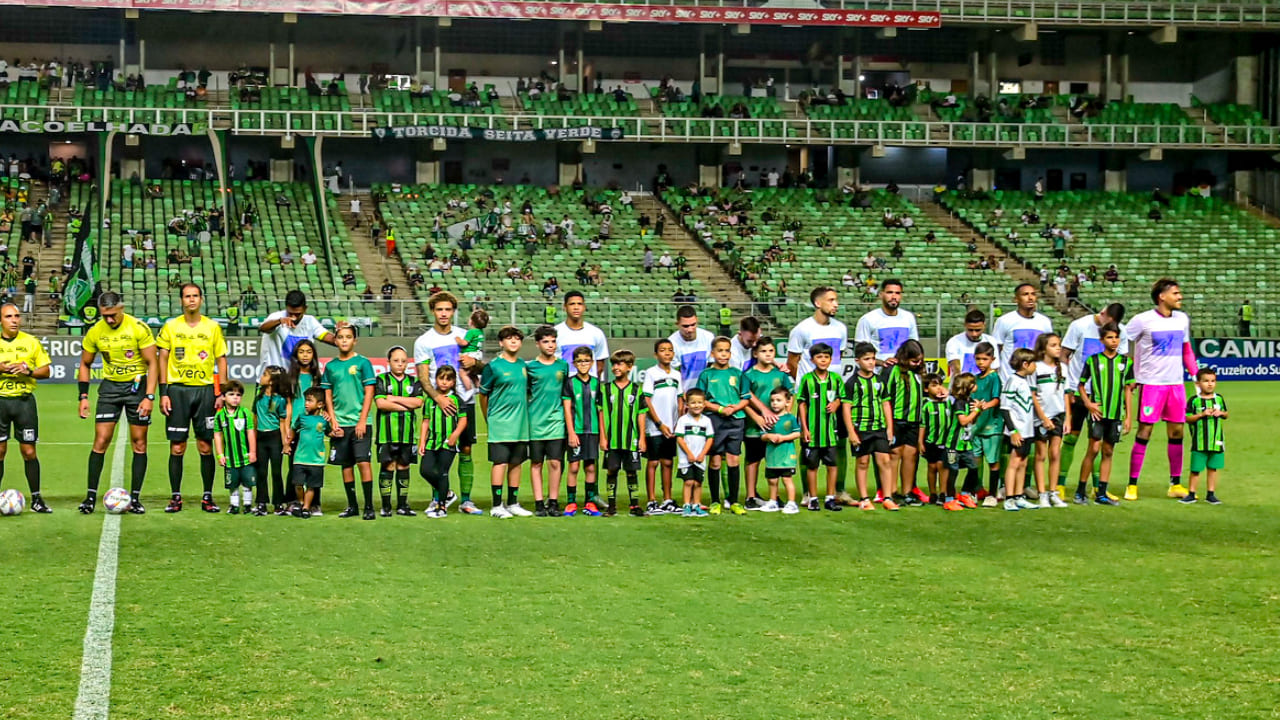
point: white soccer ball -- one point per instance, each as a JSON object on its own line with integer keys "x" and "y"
{"x": 117, "y": 500}
{"x": 12, "y": 502}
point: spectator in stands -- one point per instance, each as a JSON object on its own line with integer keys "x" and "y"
{"x": 286, "y": 257}
{"x": 1039, "y": 189}
{"x": 870, "y": 261}
{"x": 1112, "y": 275}
{"x": 1012, "y": 238}
{"x": 308, "y": 258}
{"x": 272, "y": 256}
{"x": 249, "y": 299}
{"x": 550, "y": 288}
{"x": 907, "y": 223}
{"x": 1159, "y": 197}
{"x": 1154, "y": 214}
{"x": 415, "y": 277}
{"x": 151, "y": 262}
{"x": 388, "y": 291}
{"x": 848, "y": 279}
{"x": 648, "y": 259}
{"x": 666, "y": 262}
{"x": 127, "y": 252}
{"x": 437, "y": 267}
{"x": 896, "y": 251}
{"x": 176, "y": 257}
{"x": 930, "y": 237}
{"x": 348, "y": 278}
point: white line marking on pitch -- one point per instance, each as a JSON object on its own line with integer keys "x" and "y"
{"x": 94, "y": 699}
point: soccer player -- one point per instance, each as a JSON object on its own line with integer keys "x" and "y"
{"x": 871, "y": 430}
{"x": 583, "y": 418}
{"x": 960, "y": 347}
{"x": 1019, "y": 330}
{"x": 903, "y": 390}
{"x": 504, "y": 400}
{"x": 348, "y": 381}
{"x": 1205, "y": 412}
{"x": 780, "y": 457}
{"x": 727, "y": 395}
{"x": 961, "y": 451}
{"x": 692, "y": 345}
{"x": 438, "y": 440}
{"x": 235, "y": 444}
{"x": 887, "y": 327}
{"x": 547, "y": 431}
{"x": 193, "y": 361}
{"x": 935, "y": 426}
{"x": 823, "y": 404}
{"x": 1017, "y": 407}
{"x": 397, "y": 397}
{"x": 309, "y": 430}
{"x": 23, "y": 360}
{"x": 761, "y": 380}
{"x": 1106, "y": 387}
{"x": 664, "y": 397}
{"x": 436, "y": 347}
{"x": 1161, "y": 350}
{"x": 129, "y": 376}
{"x": 744, "y": 344}
{"x": 574, "y": 332}
{"x": 284, "y": 329}
{"x": 623, "y": 439}
{"x": 821, "y": 329}
{"x": 694, "y": 435}
{"x": 988, "y": 429}
{"x": 1079, "y": 344}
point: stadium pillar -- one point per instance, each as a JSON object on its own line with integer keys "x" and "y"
{"x": 1107, "y": 93}
{"x": 142, "y": 55}
{"x": 1245, "y": 79}
{"x": 848, "y": 165}
{"x": 973, "y": 72}
{"x": 426, "y": 155}
{"x": 569, "y": 163}
{"x": 982, "y": 175}
{"x": 1115, "y": 176}
{"x": 993, "y": 77}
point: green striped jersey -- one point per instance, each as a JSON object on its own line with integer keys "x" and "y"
{"x": 866, "y": 402}
{"x": 396, "y": 426}
{"x": 623, "y": 409}
{"x": 234, "y": 426}
{"x": 959, "y": 437}
{"x": 815, "y": 393}
{"x": 903, "y": 390}
{"x": 1206, "y": 433}
{"x": 584, "y": 403}
{"x": 937, "y": 422}
{"x": 440, "y": 425}
{"x": 1106, "y": 379}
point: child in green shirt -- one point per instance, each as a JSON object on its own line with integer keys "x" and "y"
{"x": 235, "y": 445}
{"x": 310, "y": 429}
{"x": 780, "y": 458}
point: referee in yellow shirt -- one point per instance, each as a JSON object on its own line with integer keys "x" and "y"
{"x": 193, "y": 358}
{"x": 23, "y": 360}
{"x": 129, "y": 374}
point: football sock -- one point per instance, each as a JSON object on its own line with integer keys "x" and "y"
{"x": 613, "y": 487}
{"x": 592, "y": 489}
{"x": 32, "y": 468}
{"x": 572, "y": 496}
{"x": 734, "y": 474}
{"x": 350, "y": 487}
{"x": 466, "y": 475}
{"x": 1081, "y": 488}
{"x": 384, "y": 486}
{"x": 972, "y": 481}
{"x": 206, "y": 472}
{"x": 842, "y": 464}
{"x": 248, "y": 497}
{"x": 511, "y": 495}
{"x": 1135, "y": 459}
{"x": 1102, "y": 489}
{"x": 402, "y": 487}
{"x": 993, "y": 481}
{"x": 175, "y": 474}
{"x": 96, "y": 461}
{"x": 1068, "y": 452}
{"x": 633, "y": 488}
{"x": 497, "y": 495}
{"x": 367, "y": 487}
{"x": 235, "y": 497}
{"x": 1175, "y": 461}
{"x": 713, "y": 480}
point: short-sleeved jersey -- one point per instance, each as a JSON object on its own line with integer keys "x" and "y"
{"x": 905, "y": 393}
{"x": 269, "y": 411}
{"x": 1206, "y": 433}
{"x": 959, "y": 437}
{"x": 761, "y": 384}
{"x": 960, "y": 348}
{"x": 1157, "y": 346}
{"x": 435, "y": 349}
{"x": 623, "y": 407}
{"x": 988, "y": 388}
{"x": 584, "y": 403}
{"x": 697, "y": 434}
{"x": 396, "y": 426}
{"x": 440, "y": 424}
{"x": 305, "y": 382}
{"x": 1017, "y": 402}
{"x": 724, "y": 386}
{"x": 866, "y": 402}
{"x": 22, "y": 348}
{"x": 1014, "y": 332}
{"x": 278, "y": 345}
{"x": 506, "y": 382}
{"x": 936, "y": 422}
{"x": 782, "y": 455}
{"x": 234, "y": 426}
{"x": 810, "y": 332}
{"x": 120, "y": 347}
{"x": 692, "y": 356}
{"x": 589, "y": 336}
{"x": 1050, "y": 387}
{"x": 347, "y": 379}
{"x": 1106, "y": 379}
{"x": 1083, "y": 341}
{"x": 311, "y": 431}
{"x": 546, "y": 404}
{"x": 814, "y": 394}
{"x": 664, "y": 388}
{"x": 886, "y": 332}
{"x": 740, "y": 356}
{"x": 474, "y": 338}
{"x": 193, "y": 351}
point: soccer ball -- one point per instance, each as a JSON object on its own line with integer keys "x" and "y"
{"x": 12, "y": 502}
{"x": 116, "y": 500}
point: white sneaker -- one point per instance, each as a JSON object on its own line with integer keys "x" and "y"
{"x": 790, "y": 508}
{"x": 1024, "y": 504}
{"x": 805, "y": 501}
{"x": 517, "y": 511}
{"x": 990, "y": 501}
{"x": 1011, "y": 504}
{"x": 725, "y": 503}
{"x": 1056, "y": 501}
{"x": 500, "y": 512}
{"x": 771, "y": 506}
{"x": 450, "y": 500}
{"x": 435, "y": 513}
{"x": 1044, "y": 499}
{"x": 434, "y": 506}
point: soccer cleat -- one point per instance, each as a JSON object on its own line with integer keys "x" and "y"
{"x": 737, "y": 509}
{"x": 235, "y": 510}
{"x": 260, "y": 510}
{"x": 500, "y": 512}
{"x": 1080, "y": 499}
{"x": 686, "y": 511}
{"x": 952, "y": 505}
{"x": 1104, "y": 499}
{"x": 88, "y": 506}
{"x": 38, "y": 505}
{"x": 790, "y": 508}
{"x": 283, "y": 511}
{"x": 866, "y": 504}
{"x": 1212, "y": 499}
{"x": 571, "y": 509}
{"x": 175, "y": 505}
{"x": 1024, "y": 504}
{"x": 385, "y": 512}
{"x": 517, "y": 511}
{"x": 879, "y": 497}
{"x": 591, "y": 509}
{"x": 912, "y": 501}
{"x": 771, "y": 507}
{"x": 297, "y": 511}
{"x": 436, "y": 513}
{"x": 699, "y": 511}
{"x": 304, "y": 514}
{"x": 990, "y": 501}
{"x": 844, "y": 498}
{"x": 450, "y": 499}
{"x": 315, "y": 511}
{"x": 351, "y": 511}
{"x": 831, "y": 505}
{"x": 652, "y": 508}
{"x": 669, "y": 506}
{"x": 435, "y": 505}
{"x": 968, "y": 501}
{"x": 1188, "y": 499}
{"x": 716, "y": 509}
{"x": 137, "y": 508}
{"x": 982, "y": 495}
{"x": 813, "y": 505}
{"x": 540, "y": 510}
{"x": 469, "y": 508}
{"x": 753, "y": 503}
{"x": 1056, "y": 501}
{"x": 805, "y": 500}
{"x": 1131, "y": 492}
{"x": 406, "y": 511}
{"x": 369, "y": 514}
{"x": 889, "y": 504}
{"x": 636, "y": 511}
{"x": 1044, "y": 501}
{"x": 1031, "y": 493}
{"x": 920, "y": 495}
{"x": 1176, "y": 490}
{"x": 208, "y": 505}
{"x": 610, "y": 509}
{"x": 1011, "y": 505}
{"x": 553, "y": 508}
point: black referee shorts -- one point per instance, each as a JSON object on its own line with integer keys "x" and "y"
{"x": 191, "y": 408}
{"x": 115, "y": 397}
{"x": 19, "y": 415}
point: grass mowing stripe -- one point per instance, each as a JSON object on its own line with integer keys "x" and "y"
{"x": 93, "y": 702}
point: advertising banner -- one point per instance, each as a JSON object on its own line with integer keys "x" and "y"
{"x": 1240, "y": 358}
{"x": 411, "y": 132}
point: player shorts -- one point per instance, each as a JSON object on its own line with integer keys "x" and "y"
{"x": 191, "y": 408}
{"x": 508, "y": 453}
{"x": 546, "y": 450}
{"x": 1022, "y": 450}
{"x": 875, "y": 441}
{"x": 967, "y": 459}
{"x": 660, "y": 447}
{"x": 467, "y": 437}
{"x": 308, "y": 476}
{"x": 1078, "y": 412}
{"x": 771, "y": 473}
{"x": 115, "y": 397}
{"x": 240, "y": 477}
{"x": 905, "y": 434}
{"x": 1108, "y": 431}
{"x": 934, "y": 453}
{"x": 588, "y": 449}
{"x": 1162, "y": 402}
{"x": 626, "y": 460}
{"x": 988, "y": 447}
{"x": 20, "y": 415}
{"x": 1212, "y": 460}
{"x": 729, "y": 432}
{"x": 1042, "y": 434}
{"x": 695, "y": 473}
{"x": 347, "y": 450}
{"x": 812, "y": 457}
{"x": 753, "y": 449}
{"x": 398, "y": 453}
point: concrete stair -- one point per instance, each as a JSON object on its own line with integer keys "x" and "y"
{"x": 375, "y": 267}
{"x": 43, "y": 321}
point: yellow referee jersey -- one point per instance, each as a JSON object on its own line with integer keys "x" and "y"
{"x": 192, "y": 350}
{"x": 121, "y": 347}
{"x": 23, "y": 348}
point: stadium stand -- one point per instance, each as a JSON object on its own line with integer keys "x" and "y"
{"x": 278, "y": 101}
{"x": 724, "y": 107}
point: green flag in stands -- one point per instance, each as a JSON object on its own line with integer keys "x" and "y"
{"x": 83, "y": 279}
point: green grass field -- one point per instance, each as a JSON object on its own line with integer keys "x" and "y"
{"x": 1152, "y": 609}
